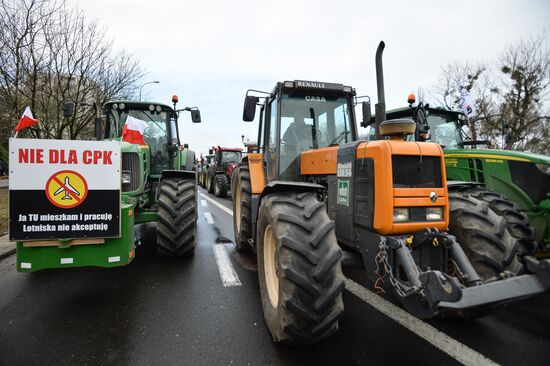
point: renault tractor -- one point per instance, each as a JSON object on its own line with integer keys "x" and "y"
{"x": 314, "y": 197}
{"x": 157, "y": 184}
{"x": 516, "y": 184}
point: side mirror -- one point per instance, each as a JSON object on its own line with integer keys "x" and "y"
{"x": 249, "y": 110}
{"x": 366, "y": 114}
{"x": 186, "y": 146}
{"x": 210, "y": 151}
{"x": 195, "y": 116}
{"x": 68, "y": 109}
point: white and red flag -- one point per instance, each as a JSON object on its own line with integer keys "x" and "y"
{"x": 26, "y": 120}
{"x": 468, "y": 105}
{"x": 133, "y": 130}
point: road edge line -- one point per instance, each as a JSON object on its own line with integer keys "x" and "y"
{"x": 220, "y": 206}
{"x": 452, "y": 347}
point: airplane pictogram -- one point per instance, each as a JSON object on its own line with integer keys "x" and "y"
{"x": 66, "y": 188}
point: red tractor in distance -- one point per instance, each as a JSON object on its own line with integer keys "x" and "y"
{"x": 222, "y": 164}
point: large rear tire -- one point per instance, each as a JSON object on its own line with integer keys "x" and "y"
{"x": 177, "y": 217}
{"x": 516, "y": 222}
{"x": 242, "y": 205}
{"x": 299, "y": 268}
{"x": 221, "y": 185}
{"x": 484, "y": 236}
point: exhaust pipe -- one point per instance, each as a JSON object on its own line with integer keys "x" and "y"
{"x": 380, "y": 107}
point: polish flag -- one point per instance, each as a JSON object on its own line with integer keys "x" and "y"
{"x": 26, "y": 120}
{"x": 133, "y": 130}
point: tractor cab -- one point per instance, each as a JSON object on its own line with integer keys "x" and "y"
{"x": 161, "y": 133}
{"x": 433, "y": 125}
{"x": 298, "y": 116}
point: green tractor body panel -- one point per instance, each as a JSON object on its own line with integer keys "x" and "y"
{"x": 139, "y": 194}
{"x": 108, "y": 253}
{"x": 524, "y": 178}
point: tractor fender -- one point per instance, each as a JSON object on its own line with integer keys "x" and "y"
{"x": 189, "y": 160}
{"x": 178, "y": 173}
{"x": 456, "y": 184}
{"x": 281, "y": 186}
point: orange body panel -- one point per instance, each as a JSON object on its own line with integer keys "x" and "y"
{"x": 319, "y": 161}
{"x": 257, "y": 175}
{"x": 386, "y": 197}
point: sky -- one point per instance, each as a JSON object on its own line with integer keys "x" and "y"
{"x": 209, "y": 52}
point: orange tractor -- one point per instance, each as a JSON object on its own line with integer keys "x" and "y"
{"x": 313, "y": 198}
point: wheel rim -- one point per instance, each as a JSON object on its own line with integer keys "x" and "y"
{"x": 237, "y": 200}
{"x": 271, "y": 279}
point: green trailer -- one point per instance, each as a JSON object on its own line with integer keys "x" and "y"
{"x": 156, "y": 184}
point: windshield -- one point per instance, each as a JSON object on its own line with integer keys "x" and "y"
{"x": 231, "y": 157}
{"x": 155, "y": 135}
{"x": 311, "y": 122}
{"x": 443, "y": 130}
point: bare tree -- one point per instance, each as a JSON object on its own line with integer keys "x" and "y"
{"x": 517, "y": 89}
{"x": 49, "y": 55}
{"x": 525, "y": 93}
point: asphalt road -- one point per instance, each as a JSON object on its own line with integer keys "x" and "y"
{"x": 178, "y": 312}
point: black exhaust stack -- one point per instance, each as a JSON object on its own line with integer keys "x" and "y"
{"x": 380, "y": 107}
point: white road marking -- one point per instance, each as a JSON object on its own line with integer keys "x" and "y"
{"x": 209, "y": 218}
{"x": 452, "y": 347}
{"x": 222, "y": 207}
{"x": 203, "y": 203}
{"x": 227, "y": 272}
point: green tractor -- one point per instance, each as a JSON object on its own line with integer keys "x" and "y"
{"x": 158, "y": 184}
{"x": 167, "y": 192}
{"x": 514, "y": 184}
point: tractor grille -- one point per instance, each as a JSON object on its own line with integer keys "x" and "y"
{"x": 130, "y": 162}
{"x": 412, "y": 171}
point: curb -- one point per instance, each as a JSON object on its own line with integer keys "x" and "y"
{"x": 7, "y": 254}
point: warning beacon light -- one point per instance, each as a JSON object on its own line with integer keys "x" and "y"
{"x": 411, "y": 99}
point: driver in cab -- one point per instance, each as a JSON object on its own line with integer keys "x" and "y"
{"x": 299, "y": 135}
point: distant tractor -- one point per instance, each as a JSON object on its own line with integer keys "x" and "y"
{"x": 314, "y": 197}
{"x": 158, "y": 185}
{"x": 515, "y": 184}
{"x": 203, "y": 175}
{"x": 220, "y": 169}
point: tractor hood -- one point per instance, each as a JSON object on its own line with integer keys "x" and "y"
{"x": 498, "y": 154}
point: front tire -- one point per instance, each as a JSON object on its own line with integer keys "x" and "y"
{"x": 516, "y": 222}
{"x": 484, "y": 236}
{"x": 242, "y": 204}
{"x": 299, "y": 268}
{"x": 221, "y": 185}
{"x": 177, "y": 216}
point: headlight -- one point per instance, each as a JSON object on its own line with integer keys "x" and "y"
{"x": 126, "y": 177}
{"x": 434, "y": 214}
{"x": 400, "y": 214}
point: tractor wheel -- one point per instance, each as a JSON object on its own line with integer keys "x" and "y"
{"x": 242, "y": 204}
{"x": 209, "y": 184}
{"x": 221, "y": 185}
{"x": 516, "y": 222}
{"x": 483, "y": 235}
{"x": 299, "y": 268}
{"x": 176, "y": 226}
